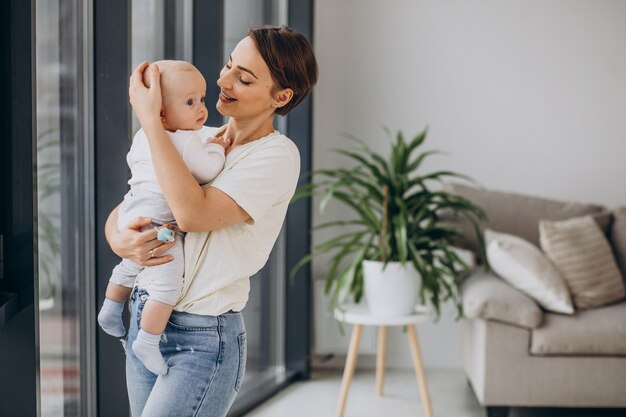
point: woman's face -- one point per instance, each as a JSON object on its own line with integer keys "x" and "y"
{"x": 246, "y": 84}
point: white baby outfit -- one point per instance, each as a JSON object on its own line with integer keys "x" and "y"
{"x": 205, "y": 160}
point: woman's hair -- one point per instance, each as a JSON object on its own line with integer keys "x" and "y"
{"x": 291, "y": 61}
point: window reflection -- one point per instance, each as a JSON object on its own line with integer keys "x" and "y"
{"x": 62, "y": 264}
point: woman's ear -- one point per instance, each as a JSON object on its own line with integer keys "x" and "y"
{"x": 282, "y": 97}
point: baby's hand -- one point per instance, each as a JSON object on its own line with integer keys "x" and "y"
{"x": 221, "y": 140}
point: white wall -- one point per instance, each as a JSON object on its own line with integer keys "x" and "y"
{"x": 526, "y": 96}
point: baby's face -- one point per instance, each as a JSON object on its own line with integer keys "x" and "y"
{"x": 183, "y": 101}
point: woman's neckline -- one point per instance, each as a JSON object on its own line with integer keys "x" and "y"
{"x": 222, "y": 130}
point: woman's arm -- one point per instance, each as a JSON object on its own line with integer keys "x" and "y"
{"x": 195, "y": 209}
{"x": 131, "y": 243}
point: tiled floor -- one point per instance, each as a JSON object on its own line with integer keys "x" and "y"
{"x": 450, "y": 393}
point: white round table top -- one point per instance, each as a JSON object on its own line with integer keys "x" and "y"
{"x": 360, "y": 314}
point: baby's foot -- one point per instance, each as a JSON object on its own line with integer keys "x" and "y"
{"x": 110, "y": 318}
{"x": 146, "y": 348}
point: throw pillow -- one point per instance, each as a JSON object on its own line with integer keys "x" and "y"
{"x": 618, "y": 238}
{"x": 465, "y": 255}
{"x": 582, "y": 254}
{"x": 526, "y": 268}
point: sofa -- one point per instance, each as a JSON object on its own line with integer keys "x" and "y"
{"x": 518, "y": 354}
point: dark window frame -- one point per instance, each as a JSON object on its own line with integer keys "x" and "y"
{"x": 299, "y": 295}
{"x": 112, "y": 125}
{"x": 18, "y": 325}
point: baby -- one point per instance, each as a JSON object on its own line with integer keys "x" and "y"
{"x": 183, "y": 115}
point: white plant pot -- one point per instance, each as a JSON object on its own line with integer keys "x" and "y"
{"x": 392, "y": 292}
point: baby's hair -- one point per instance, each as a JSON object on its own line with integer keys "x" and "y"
{"x": 167, "y": 68}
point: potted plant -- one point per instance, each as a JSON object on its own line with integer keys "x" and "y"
{"x": 398, "y": 230}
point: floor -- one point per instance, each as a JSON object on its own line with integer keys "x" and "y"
{"x": 450, "y": 393}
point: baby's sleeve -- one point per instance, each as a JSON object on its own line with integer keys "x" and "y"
{"x": 204, "y": 160}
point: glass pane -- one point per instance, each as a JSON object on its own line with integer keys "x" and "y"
{"x": 147, "y": 31}
{"x": 161, "y": 29}
{"x": 146, "y": 36}
{"x": 60, "y": 213}
{"x": 264, "y": 318}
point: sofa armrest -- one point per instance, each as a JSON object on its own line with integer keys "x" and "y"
{"x": 487, "y": 297}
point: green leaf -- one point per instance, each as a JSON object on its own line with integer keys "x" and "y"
{"x": 417, "y": 162}
{"x": 374, "y": 170}
{"x": 339, "y": 223}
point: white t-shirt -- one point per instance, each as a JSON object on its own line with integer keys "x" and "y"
{"x": 261, "y": 176}
{"x": 204, "y": 160}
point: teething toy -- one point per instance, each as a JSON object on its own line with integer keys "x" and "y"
{"x": 165, "y": 235}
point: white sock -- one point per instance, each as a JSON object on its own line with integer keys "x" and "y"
{"x": 110, "y": 318}
{"x": 146, "y": 347}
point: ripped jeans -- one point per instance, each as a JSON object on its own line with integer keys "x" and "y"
{"x": 207, "y": 360}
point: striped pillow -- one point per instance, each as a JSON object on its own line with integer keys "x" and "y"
{"x": 581, "y": 253}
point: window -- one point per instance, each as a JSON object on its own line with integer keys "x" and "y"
{"x": 63, "y": 194}
{"x": 82, "y": 131}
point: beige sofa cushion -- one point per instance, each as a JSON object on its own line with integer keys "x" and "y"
{"x": 618, "y": 238}
{"x": 597, "y": 332}
{"x": 487, "y": 297}
{"x": 519, "y": 214}
{"x": 584, "y": 258}
{"x": 524, "y": 266}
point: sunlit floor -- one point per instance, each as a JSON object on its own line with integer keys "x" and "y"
{"x": 450, "y": 393}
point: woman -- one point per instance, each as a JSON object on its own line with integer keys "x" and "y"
{"x": 232, "y": 224}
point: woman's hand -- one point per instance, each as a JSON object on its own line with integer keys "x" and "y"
{"x": 131, "y": 243}
{"x": 146, "y": 101}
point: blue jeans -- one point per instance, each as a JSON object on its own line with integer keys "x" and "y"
{"x": 207, "y": 360}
